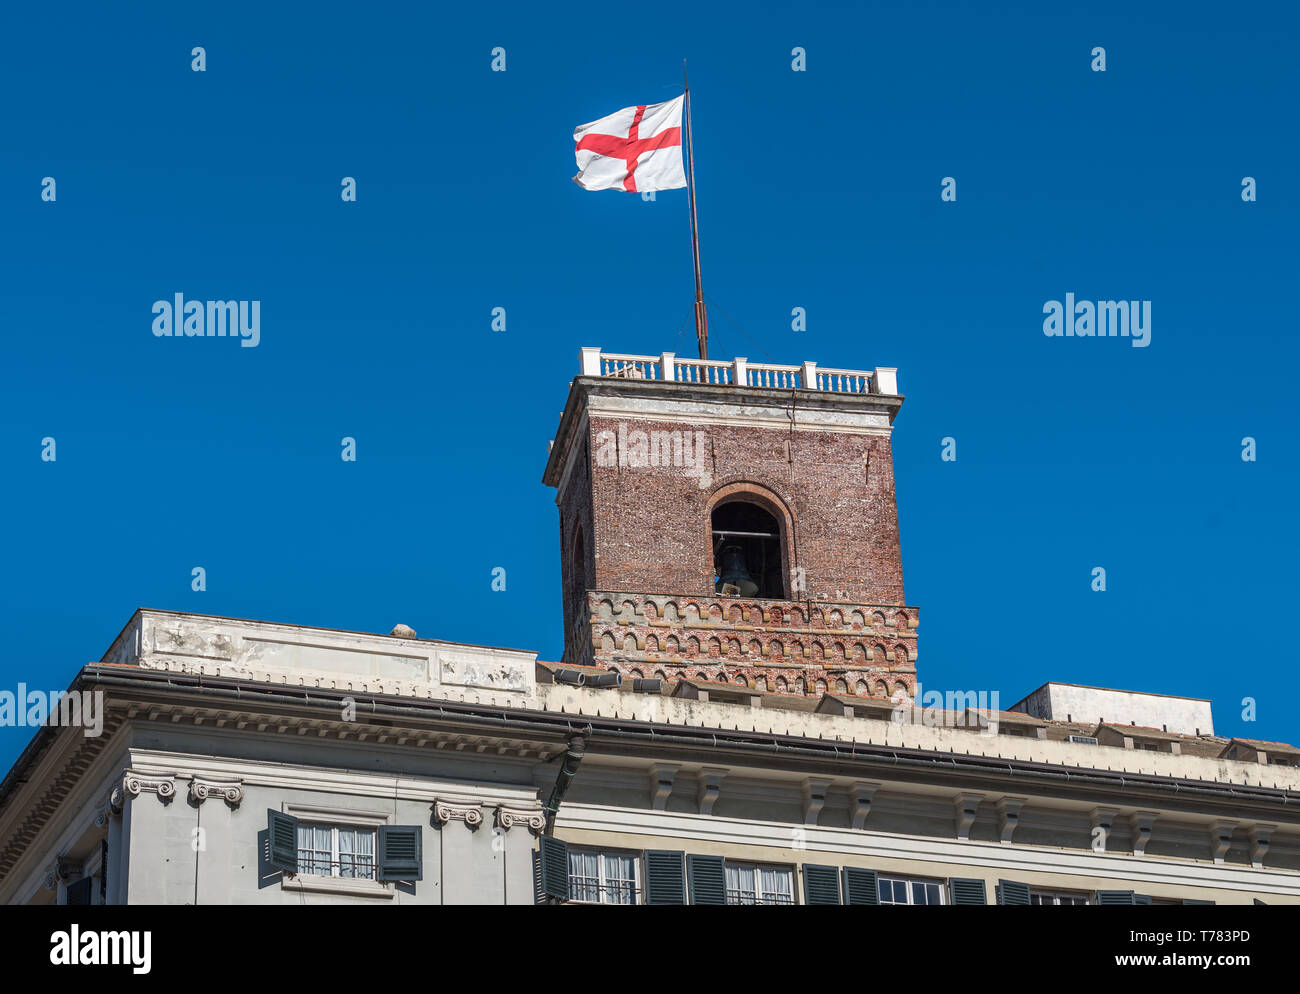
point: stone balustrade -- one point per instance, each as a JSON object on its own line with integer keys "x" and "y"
{"x": 668, "y": 367}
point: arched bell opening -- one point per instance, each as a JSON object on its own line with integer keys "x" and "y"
{"x": 747, "y": 559}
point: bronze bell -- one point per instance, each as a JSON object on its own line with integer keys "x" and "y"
{"x": 735, "y": 572}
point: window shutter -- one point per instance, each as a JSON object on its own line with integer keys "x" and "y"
{"x": 1117, "y": 897}
{"x": 554, "y": 859}
{"x": 1141, "y": 898}
{"x": 821, "y": 884}
{"x": 78, "y": 893}
{"x": 282, "y": 841}
{"x": 665, "y": 877}
{"x": 967, "y": 891}
{"x": 860, "y": 886}
{"x": 1012, "y": 892}
{"x": 400, "y": 852}
{"x": 1258, "y": 901}
{"x": 708, "y": 879}
{"x": 1192, "y": 900}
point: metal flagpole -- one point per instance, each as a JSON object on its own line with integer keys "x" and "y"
{"x": 701, "y": 317}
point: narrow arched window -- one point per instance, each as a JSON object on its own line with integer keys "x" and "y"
{"x": 578, "y": 575}
{"x": 747, "y": 551}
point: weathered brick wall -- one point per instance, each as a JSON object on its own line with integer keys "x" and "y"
{"x": 575, "y": 507}
{"x": 652, "y": 523}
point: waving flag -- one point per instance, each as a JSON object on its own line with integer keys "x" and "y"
{"x": 636, "y": 149}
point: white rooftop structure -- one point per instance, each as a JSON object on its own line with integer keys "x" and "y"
{"x": 1077, "y": 702}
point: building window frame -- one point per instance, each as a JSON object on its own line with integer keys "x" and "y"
{"x": 1059, "y": 897}
{"x": 759, "y": 892}
{"x": 335, "y": 818}
{"x": 912, "y": 888}
{"x": 607, "y": 886}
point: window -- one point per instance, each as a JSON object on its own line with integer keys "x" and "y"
{"x": 1056, "y": 897}
{"x": 336, "y": 851}
{"x": 747, "y": 551}
{"x": 602, "y": 877}
{"x": 749, "y": 883}
{"x": 902, "y": 890}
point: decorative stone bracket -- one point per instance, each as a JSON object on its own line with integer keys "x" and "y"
{"x": 710, "y": 786}
{"x": 1142, "y": 823}
{"x": 448, "y": 811}
{"x": 134, "y": 784}
{"x": 231, "y": 791}
{"x": 1009, "y": 817}
{"x": 507, "y": 817}
{"x": 1221, "y": 839}
{"x": 814, "y": 799}
{"x": 662, "y": 776}
{"x": 1102, "y": 818}
{"x": 1259, "y": 839}
{"x": 965, "y": 807}
{"x": 860, "y": 797}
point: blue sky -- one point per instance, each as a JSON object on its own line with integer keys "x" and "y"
{"x": 818, "y": 189}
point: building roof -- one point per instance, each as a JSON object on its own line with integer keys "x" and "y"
{"x": 719, "y": 688}
{"x": 1141, "y": 732}
{"x": 866, "y": 700}
{"x": 1259, "y": 745}
{"x": 1009, "y": 717}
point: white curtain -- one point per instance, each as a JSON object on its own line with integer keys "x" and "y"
{"x": 620, "y": 879}
{"x": 314, "y": 849}
{"x": 356, "y": 853}
{"x": 778, "y": 885}
{"x": 584, "y": 876}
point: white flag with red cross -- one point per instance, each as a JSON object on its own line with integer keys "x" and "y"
{"x": 636, "y": 149}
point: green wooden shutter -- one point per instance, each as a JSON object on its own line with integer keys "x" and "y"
{"x": 1012, "y": 892}
{"x": 282, "y": 841}
{"x": 1141, "y": 898}
{"x": 860, "y": 886}
{"x": 708, "y": 879}
{"x": 78, "y": 893}
{"x": 400, "y": 851}
{"x": 1192, "y": 900}
{"x": 1117, "y": 897}
{"x": 967, "y": 891}
{"x": 665, "y": 877}
{"x": 554, "y": 861}
{"x": 821, "y": 884}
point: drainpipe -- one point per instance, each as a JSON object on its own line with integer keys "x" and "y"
{"x": 568, "y": 770}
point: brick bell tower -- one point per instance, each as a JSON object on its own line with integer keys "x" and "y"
{"x": 733, "y": 522}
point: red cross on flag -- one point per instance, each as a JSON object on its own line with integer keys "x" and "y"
{"x": 637, "y": 149}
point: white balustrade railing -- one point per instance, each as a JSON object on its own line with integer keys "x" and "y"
{"x": 668, "y": 367}
{"x": 843, "y": 381}
{"x": 703, "y": 371}
{"x": 763, "y": 374}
